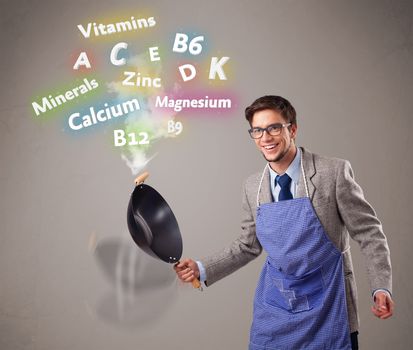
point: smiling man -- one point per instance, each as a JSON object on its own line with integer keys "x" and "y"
{"x": 301, "y": 209}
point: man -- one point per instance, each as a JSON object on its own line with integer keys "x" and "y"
{"x": 301, "y": 209}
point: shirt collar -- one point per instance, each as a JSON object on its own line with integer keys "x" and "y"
{"x": 293, "y": 170}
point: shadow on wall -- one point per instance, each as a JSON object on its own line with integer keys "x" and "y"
{"x": 142, "y": 287}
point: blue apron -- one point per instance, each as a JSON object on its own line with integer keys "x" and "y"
{"x": 300, "y": 300}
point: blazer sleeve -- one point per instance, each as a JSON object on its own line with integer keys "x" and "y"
{"x": 364, "y": 227}
{"x": 240, "y": 252}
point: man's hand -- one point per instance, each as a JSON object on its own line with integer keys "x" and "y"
{"x": 384, "y": 305}
{"x": 187, "y": 270}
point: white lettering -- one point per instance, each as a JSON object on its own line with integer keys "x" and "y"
{"x": 216, "y": 67}
{"x": 72, "y": 124}
{"x": 154, "y": 54}
{"x": 86, "y": 33}
{"x": 129, "y": 75}
{"x": 180, "y": 43}
{"x": 119, "y": 137}
{"x": 82, "y": 60}
{"x": 190, "y": 67}
{"x": 114, "y": 54}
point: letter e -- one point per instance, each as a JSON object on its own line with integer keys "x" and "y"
{"x": 154, "y": 54}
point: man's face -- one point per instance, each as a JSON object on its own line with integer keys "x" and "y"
{"x": 274, "y": 148}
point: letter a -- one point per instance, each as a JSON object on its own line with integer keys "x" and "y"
{"x": 82, "y": 60}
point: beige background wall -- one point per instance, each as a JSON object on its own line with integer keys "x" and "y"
{"x": 347, "y": 68}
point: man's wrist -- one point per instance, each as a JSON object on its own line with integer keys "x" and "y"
{"x": 202, "y": 272}
{"x": 383, "y": 290}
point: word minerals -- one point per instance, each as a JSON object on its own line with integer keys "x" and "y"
{"x": 50, "y": 102}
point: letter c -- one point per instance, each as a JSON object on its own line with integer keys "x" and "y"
{"x": 71, "y": 124}
{"x": 114, "y": 54}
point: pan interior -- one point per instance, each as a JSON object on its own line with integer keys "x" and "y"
{"x": 159, "y": 222}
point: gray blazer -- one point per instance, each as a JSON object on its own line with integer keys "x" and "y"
{"x": 339, "y": 204}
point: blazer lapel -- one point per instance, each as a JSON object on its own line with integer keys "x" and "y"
{"x": 309, "y": 169}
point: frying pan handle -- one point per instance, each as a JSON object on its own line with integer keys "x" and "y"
{"x": 141, "y": 178}
{"x": 196, "y": 284}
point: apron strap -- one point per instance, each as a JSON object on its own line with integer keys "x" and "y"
{"x": 346, "y": 250}
{"x": 259, "y": 187}
{"x": 304, "y": 177}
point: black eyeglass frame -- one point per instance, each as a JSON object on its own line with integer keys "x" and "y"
{"x": 273, "y": 130}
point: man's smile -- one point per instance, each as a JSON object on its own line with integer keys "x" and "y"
{"x": 270, "y": 147}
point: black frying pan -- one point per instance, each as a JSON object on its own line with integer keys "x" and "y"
{"x": 153, "y": 225}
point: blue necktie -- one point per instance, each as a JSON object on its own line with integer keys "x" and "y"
{"x": 284, "y": 181}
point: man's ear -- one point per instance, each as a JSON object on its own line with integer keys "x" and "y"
{"x": 293, "y": 131}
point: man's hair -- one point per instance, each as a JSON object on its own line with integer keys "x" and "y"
{"x": 277, "y": 104}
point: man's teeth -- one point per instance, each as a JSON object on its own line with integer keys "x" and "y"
{"x": 269, "y": 147}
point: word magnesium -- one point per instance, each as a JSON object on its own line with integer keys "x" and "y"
{"x": 179, "y": 104}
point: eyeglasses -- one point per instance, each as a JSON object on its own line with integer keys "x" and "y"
{"x": 273, "y": 130}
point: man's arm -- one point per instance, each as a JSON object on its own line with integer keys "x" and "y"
{"x": 241, "y": 251}
{"x": 364, "y": 227}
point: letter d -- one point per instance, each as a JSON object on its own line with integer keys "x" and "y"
{"x": 190, "y": 67}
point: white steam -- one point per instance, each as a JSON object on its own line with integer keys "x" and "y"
{"x": 146, "y": 119}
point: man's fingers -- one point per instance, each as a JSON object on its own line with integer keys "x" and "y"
{"x": 383, "y": 307}
{"x": 386, "y": 315}
{"x": 182, "y": 272}
{"x": 379, "y": 311}
{"x": 190, "y": 278}
{"x": 375, "y": 311}
{"x": 186, "y": 270}
{"x": 183, "y": 264}
{"x": 178, "y": 268}
{"x": 389, "y": 308}
{"x": 390, "y": 303}
{"x": 187, "y": 275}
{"x": 180, "y": 265}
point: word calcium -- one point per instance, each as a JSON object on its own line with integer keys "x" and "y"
{"x": 77, "y": 121}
